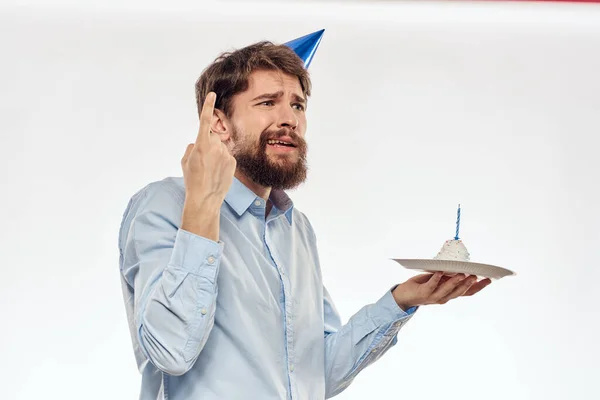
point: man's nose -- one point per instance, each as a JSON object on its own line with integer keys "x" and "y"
{"x": 288, "y": 119}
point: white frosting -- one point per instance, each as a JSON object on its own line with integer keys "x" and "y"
{"x": 453, "y": 250}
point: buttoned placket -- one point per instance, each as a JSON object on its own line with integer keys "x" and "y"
{"x": 259, "y": 208}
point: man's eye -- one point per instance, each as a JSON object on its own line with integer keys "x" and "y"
{"x": 299, "y": 106}
{"x": 266, "y": 103}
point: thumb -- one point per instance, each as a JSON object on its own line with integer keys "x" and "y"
{"x": 188, "y": 151}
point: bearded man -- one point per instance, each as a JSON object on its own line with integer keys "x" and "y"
{"x": 220, "y": 272}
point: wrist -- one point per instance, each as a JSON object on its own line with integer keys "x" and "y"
{"x": 403, "y": 303}
{"x": 202, "y": 205}
{"x": 201, "y": 218}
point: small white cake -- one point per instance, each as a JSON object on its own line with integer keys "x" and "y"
{"x": 453, "y": 250}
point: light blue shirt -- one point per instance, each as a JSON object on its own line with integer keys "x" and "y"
{"x": 246, "y": 317}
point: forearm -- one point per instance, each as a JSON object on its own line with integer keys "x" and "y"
{"x": 364, "y": 339}
{"x": 172, "y": 274}
{"x": 201, "y": 217}
{"x": 176, "y": 308}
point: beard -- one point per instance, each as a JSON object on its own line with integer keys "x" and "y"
{"x": 277, "y": 171}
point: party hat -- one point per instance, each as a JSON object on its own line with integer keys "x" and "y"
{"x": 306, "y": 46}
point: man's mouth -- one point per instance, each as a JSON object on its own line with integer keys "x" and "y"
{"x": 278, "y": 143}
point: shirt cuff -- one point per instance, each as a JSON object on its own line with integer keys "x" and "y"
{"x": 387, "y": 311}
{"x": 196, "y": 254}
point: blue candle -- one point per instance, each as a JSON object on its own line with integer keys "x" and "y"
{"x": 457, "y": 223}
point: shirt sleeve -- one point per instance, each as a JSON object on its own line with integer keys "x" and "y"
{"x": 369, "y": 333}
{"x": 173, "y": 274}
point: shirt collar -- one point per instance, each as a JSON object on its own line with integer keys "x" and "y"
{"x": 240, "y": 198}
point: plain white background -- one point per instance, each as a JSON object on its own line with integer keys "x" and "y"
{"x": 416, "y": 107}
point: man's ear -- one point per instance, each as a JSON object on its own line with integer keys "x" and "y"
{"x": 221, "y": 125}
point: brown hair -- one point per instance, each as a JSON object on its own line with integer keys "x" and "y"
{"x": 228, "y": 74}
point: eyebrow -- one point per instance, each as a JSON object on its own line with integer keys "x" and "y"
{"x": 273, "y": 96}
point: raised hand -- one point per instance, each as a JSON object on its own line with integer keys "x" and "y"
{"x": 207, "y": 165}
{"x": 208, "y": 170}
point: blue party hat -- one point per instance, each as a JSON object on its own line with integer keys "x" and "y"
{"x": 306, "y": 46}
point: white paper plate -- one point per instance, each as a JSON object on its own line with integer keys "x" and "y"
{"x": 455, "y": 267}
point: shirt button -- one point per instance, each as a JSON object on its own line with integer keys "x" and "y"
{"x": 292, "y": 368}
{"x": 211, "y": 260}
{"x": 257, "y": 203}
{"x": 203, "y": 311}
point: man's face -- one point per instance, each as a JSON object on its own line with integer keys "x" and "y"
{"x": 268, "y": 126}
